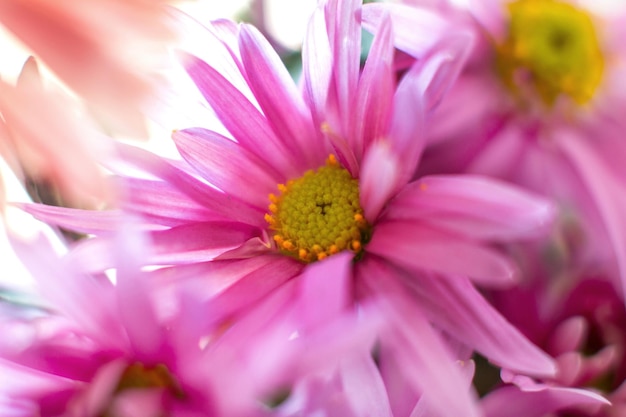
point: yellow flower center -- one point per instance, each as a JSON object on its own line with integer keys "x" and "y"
{"x": 554, "y": 45}
{"x": 318, "y": 214}
{"x": 139, "y": 375}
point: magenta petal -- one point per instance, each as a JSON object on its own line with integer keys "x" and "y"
{"x": 372, "y": 115}
{"x": 475, "y": 207}
{"x": 214, "y": 200}
{"x": 379, "y": 179}
{"x": 159, "y": 203}
{"x": 227, "y": 165}
{"x": 456, "y": 306}
{"x": 242, "y": 119}
{"x": 419, "y": 247}
{"x": 279, "y": 98}
{"x": 416, "y": 30}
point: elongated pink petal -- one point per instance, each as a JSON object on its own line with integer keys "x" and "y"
{"x": 227, "y": 165}
{"x": 375, "y": 92}
{"x": 475, "y": 207}
{"x": 279, "y": 98}
{"x": 214, "y": 200}
{"x": 440, "y": 68}
{"x": 419, "y": 247}
{"x": 246, "y": 123}
{"x": 82, "y": 221}
{"x": 407, "y": 132}
{"x": 326, "y": 289}
{"x": 133, "y": 295}
{"x": 427, "y": 363}
{"x": 510, "y": 401}
{"x": 364, "y": 387}
{"x": 88, "y": 302}
{"x": 606, "y": 190}
{"x": 317, "y": 73}
{"x": 343, "y": 20}
{"x": 379, "y": 179}
{"x": 456, "y": 306}
{"x": 159, "y": 203}
{"x": 416, "y": 30}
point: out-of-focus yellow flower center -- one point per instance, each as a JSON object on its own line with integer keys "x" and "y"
{"x": 554, "y": 45}
{"x": 138, "y": 375}
{"x": 318, "y": 214}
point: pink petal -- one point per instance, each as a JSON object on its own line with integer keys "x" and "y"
{"x": 379, "y": 179}
{"x": 411, "y": 341}
{"x": 316, "y": 68}
{"x": 512, "y": 402}
{"x": 222, "y": 204}
{"x": 456, "y": 306}
{"x": 248, "y": 126}
{"x": 364, "y": 387}
{"x": 607, "y": 192}
{"x": 325, "y": 289}
{"x": 344, "y": 33}
{"x": 280, "y": 100}
{"x": 419, "y": 247}
{"x": 474, "y": 207}
{"x": 227, "y": 165}
{"x": 375, "y": 92}
{"x": 407, "y": 133}
{"x": 416, "y": 30}
{"x": 159, "y": 203}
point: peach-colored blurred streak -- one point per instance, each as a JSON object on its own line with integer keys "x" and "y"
{"x": 101, "y": 49}
{"x": 45, "y": 138}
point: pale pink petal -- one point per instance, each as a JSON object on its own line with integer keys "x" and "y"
{"x": 456, "y": 306}
{"x": 227, "y": 165}
{"x": 242, "y": 119}
{"x": 61, "y": 147}
{"x": 379, "y": 178}
{"x": 475, "y": 207}
{"x": 375, "y": 92}
{"x": 326, "y": 289}
{"x": 344, "y": 32}
{"x": 418, "y": 246}
{"x": 416, "y": 30}
{"x": 364, "y": 387}
{"x": 407, "y": 133}
{"x": 411, "y": 341}
{"x": 133, "y": 294}
{"x": 279, "y": 98}
{"x": 99, "y": 48}
{"x": 317, "y": 73}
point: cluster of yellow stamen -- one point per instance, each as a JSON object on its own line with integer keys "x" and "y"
{"x": 554, "y": 44}
{"x": 318, "y": 214}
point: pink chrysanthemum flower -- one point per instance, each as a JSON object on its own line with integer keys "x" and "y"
{"x": 539, "y": 104}
{"x": 322, "y": 177}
